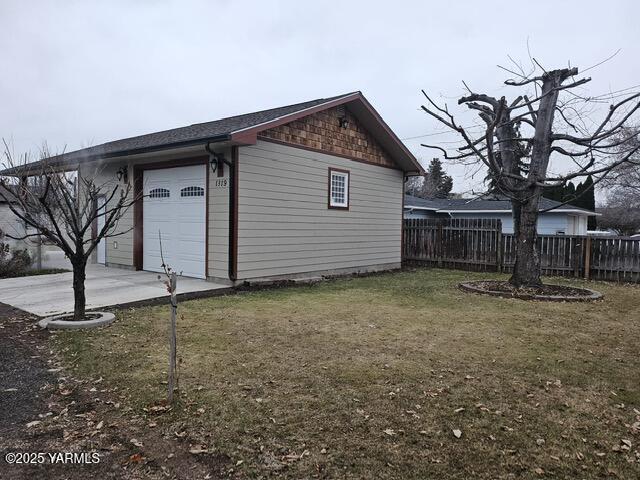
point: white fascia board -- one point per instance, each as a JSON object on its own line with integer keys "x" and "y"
{"x": 474, "y": 211}
{"x": 561, "y": 210}
{"x": 420, "y": 208}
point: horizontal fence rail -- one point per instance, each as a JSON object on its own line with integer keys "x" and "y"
{"x": 480, "y": 245}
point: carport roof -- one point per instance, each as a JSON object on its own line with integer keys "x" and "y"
{"x": 240, "y": 130}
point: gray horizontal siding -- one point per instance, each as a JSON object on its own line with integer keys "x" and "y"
{"x": 285, "y": 227}
{"x": 106, "y": 177}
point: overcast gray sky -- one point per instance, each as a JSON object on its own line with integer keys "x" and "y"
{"x": 79, "y": 73}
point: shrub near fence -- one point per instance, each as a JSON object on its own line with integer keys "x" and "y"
{"x": 480, "y": 245}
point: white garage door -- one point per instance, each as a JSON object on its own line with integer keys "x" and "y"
{"x": 174, "y": 208}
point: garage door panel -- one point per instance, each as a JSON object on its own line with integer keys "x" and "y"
{"x": 174, "y": 205}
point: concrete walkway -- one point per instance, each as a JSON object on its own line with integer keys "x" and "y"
{"x": 45, "y": 295}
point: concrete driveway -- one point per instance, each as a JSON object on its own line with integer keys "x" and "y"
{"x": 45, "y": 295}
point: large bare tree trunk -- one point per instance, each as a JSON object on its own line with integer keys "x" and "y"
{"x": 79, "y": 276}
{"x": 526, "y": 271}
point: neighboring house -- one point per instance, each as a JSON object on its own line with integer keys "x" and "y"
{"x": 297, "y": 191}
{"x": 561, "y": 220}
{"x": 10, "y": 224}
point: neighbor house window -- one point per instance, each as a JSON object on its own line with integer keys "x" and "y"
{"x": 338, "y": 188}
{"x": 159, "y": 193}
{"x": 192, "y": 192}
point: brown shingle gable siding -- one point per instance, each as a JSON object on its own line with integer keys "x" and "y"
{"x": 322, "y": 131}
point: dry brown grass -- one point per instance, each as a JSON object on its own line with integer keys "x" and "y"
{"x": 368, "y": 378}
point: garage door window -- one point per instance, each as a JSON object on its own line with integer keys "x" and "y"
{"x": 159, "y": 193}
{"x": 192, "y": 192}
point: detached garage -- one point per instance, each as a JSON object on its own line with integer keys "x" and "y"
{"x": 302, "y": 190}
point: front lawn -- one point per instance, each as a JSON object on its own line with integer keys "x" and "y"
{"x": 369, "y": 378}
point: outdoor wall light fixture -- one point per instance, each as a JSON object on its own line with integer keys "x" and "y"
{"x": 123, "y": 174}
{"x": 342, "y": 117}
{"x": 213, "y": 162}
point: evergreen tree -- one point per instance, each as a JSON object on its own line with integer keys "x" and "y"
{"x": 569, "y": 194}
{"x": 588, "y": 200}
{"x": 434, "y": 184}
{"x": 438, "y": 184}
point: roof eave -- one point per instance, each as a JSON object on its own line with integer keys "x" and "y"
{"x": 72, "y": 164}
{"x": 580, "y": 212}
{"x": 418, "y": 207}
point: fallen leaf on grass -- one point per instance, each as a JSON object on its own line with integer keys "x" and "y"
{"x": 34, "y": 423}
{"x": 457, "y": 433}
{"x": 390, "y": 431}
{"x": 198, "y": 449}
{"x": 158, "y": 409}
{"x": 539, "y": 471}
{"x": 136, "y": 442}
{"x": 135, "y": 458}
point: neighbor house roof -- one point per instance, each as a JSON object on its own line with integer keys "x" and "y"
{"x": 494, "y": 204}
{"x": 242, "y": 130}
{"x": 8, "y": 193}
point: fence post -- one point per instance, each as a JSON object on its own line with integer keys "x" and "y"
{"x": 439, "y": 240}
{"x": 587, "y": 258}
{"x": 577, "y": 257}
{"x": 499, "y": 258}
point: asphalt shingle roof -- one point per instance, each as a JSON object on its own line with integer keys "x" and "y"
{"x": 195, "y": 132}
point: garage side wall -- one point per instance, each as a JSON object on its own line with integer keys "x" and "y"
{"x": 119, "y": 249}
{"x": 285, "y": 227}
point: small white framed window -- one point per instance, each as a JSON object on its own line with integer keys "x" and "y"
{"x": 159, "y": 193}
{"x": 338, "y": 188}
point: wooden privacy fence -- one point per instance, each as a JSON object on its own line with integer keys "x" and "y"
{"x": 456, "y": 243}
{"x": 473, "y": 244}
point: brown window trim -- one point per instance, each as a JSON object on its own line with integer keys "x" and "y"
{"x": 338, "y": 170}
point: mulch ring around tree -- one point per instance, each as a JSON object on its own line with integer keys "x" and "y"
{"x": 548, "y": 293}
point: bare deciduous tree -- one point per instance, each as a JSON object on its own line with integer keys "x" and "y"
{"x": 63, "y": 208}
{"x": 621, "y": 213}
{"x": 624, "y": 180}
{"x": 519, "y": 138}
